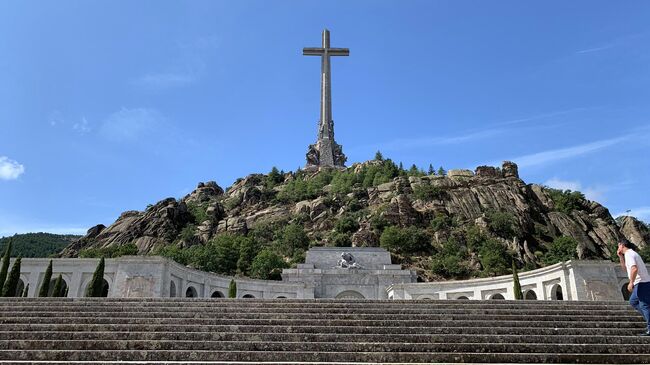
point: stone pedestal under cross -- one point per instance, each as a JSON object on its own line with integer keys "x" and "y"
{"x": 325, "y": 152}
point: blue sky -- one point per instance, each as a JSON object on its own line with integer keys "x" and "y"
{"x": 108, "y": 106}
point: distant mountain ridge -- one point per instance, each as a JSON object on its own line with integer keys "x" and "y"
{"x": 453, "y": 224}
{"x": 37, "y": 244}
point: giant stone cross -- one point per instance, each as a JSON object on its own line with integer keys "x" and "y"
{"x": 325, "y": 152}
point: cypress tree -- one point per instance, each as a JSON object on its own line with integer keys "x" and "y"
{"x": 58, "y": 287}
{"x": 45, "y": 285}
{"x": 9, "y": 289}
{"x": 26, "y": 291}
{"x": 65, "y": 294}
{"x": 97, "y": 283}
{"x": 517, "y": 287}
{"x": 232, "y": 289}
{"x": 5, "y": 263}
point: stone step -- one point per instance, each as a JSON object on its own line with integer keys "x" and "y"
{"x": 629, "y": 316}
{"x": 557, "y": 323}
{"x": 311, "y": 303}
{"x": 309, "y": 356}
{"x": 300, "y": 346}
{"x": 323, "y": 337}
{"x": 467, "y": 329}
{"x": 311, "y": 310}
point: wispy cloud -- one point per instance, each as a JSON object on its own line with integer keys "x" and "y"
{"x": 82, "y": 126}
{"x": 128, "y": 125}
{"x": 596, "y": 49}
{"x": 642, "y": 213}
{"x": 544, "y": 157}
{"x": 542, "y": 116}
{"x": 592, "y": 193}
{"x": 10, "y": 169}
{"x": 187, "y": 68}
{"x": 424, "y": 142}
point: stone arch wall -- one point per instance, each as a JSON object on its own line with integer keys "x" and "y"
{"x": 350, "y": 294}
{"x": 530, "y": 294}
{"x": 191, "y": 292}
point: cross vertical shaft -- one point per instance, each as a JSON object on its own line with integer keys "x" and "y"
{"x": 326, "y": 152}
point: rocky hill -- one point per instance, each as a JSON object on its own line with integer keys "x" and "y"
{"x": 455, "y": 224}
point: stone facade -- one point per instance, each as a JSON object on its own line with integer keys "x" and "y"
{"x": 350, "y": 272}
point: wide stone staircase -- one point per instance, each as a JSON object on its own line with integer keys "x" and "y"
{"x": 319, "y": 331}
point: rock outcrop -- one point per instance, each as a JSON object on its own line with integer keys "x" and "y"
{"x": 467, "y": 198}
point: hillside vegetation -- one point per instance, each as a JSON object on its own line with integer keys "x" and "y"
{"x": 455, "y": 224}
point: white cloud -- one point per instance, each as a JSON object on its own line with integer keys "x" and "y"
{"x": 81, "y": 126}
{"x": 568, "y": 152}
{"x": 642, "y": 213}
{"x": 129, "y": 125}
{"x": 10, "y": 169}
{"x": 542, "y": 116}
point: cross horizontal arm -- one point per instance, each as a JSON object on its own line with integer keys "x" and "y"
{"x": 338, "y": 51}
{"x": 313, "y": 51}
{"x": 308, "y": 51}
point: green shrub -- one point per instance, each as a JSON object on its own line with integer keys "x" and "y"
{"x": 561, "y": 249}
{"x": 449, "y": 261}
{"x": 340, "y": 240}
{"x": 45, "y": 285}
{"x": 494, "y": 258}
{"x": 405, "y": 240}
{"x": 441, "y": 222}
{"x": 346, "y": 224}
{"x": 267, "y": 265}
{"x": 5, "y": 264}
{"x": 566, "y": 201}
{"x": 187, "y": 233}
{"x": 503, "y": 224}
{"x": 292, "y": 238}
{"x": 232, "y": 289}
{"x": 198, "y": 213}
{"x": 516, "y": 285}
{"x": 10, "y": 286}
{"x": 96, "y": 285}
{"x": 248, "y": 249}
{"x": 428, "y": 192}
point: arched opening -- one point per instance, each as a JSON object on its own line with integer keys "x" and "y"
{"x": 191, "y": 292}
{"x": 556, "y": 292}
{"x": 350, "y": 294}
{"x": 530, "y": 295}
{"x": 64, "y": 287}
{"x": 172, "y": 289}
{"x": 19, "y": 288}
{"x": 626, "y": 294}
{"x": 249, "y": 296}
{"x": 462, "y": 297}
{"x": 105, "y": 288}
{"x": 217, "y": 294}
{"x": 497, "y": 296}
{"x": 281, "y": 297}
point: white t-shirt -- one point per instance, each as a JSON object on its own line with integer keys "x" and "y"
{"x": 631, "y": 259}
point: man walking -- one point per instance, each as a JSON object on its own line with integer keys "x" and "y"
{"x": 639, "y": 285}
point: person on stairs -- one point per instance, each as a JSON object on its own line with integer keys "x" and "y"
{"x": 639, "y": 286}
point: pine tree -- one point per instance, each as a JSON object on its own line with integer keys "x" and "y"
{"x": 379, "y": 156}
{"x": 442, "y": 171}
{"x": 9, "y": 289}
{"x": 5, "y": 264}
{"x": 431, "y": 171}
{"x": 45, "y": 286}
{"x": 97, "y": 283}
{"x": 232, "y": 289}
{"x": 517, "y": 287}
{"x": 26, "y": 291}
{"x": 58, "y": 287}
